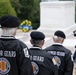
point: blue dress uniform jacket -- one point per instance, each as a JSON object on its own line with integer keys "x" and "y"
{"x": 14, "y": 57}
{"x": 63, "y": 58}
{"x": 42, "y": 62}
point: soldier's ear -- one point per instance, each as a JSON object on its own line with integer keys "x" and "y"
{"x": 43, "y": 42}
{"x": 62, "y": 40}
{"x": 15, "y": 31}
{"x": 31, "y": 41}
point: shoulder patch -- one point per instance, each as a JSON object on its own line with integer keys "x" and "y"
{"x": 35, "y": 68}
{"x": 4, "y": 66}
{"x": 56, "y": 60}
{"x": 72, "y": 57}
{"x": 26, "y": 52}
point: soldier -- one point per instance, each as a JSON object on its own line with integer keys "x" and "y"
{"x": 41, "y": 60}
{"x": 14, "y": 56}
{"x": 61, "y": 54}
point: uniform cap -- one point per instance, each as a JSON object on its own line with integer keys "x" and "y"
{"x": 9, "y": 21}
{"x": 36, "y": 35}
{"x": 60, "y": 34}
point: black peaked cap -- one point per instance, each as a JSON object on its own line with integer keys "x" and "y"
{"x": 36, "y": 35}
{"x": 60, "y": 34}
{"x": 9, "y": 21}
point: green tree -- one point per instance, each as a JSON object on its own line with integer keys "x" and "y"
{"x": 6, "y": 8}
{"x": 34, "y": 15}
{"x": 30, "y": 10}
{"x": 16, "y": 5}
{"x": 26, "y": 8}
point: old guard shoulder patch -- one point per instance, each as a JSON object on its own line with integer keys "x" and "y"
{"x": 35, "y": 68}
{"x": 56, "y": 60}
{"x": 26, "y": 52}
{"x": 4, "y": 66}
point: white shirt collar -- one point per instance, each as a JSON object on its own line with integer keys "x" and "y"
{"x": 57, "y": 43}
{"x": 36, "y": 47}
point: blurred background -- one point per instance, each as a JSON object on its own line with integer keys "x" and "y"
{"x": 24, "y": 10}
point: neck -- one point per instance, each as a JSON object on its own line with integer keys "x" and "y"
{"x": 37, "y": 46}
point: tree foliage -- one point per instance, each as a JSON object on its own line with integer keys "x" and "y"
{"x": 6, "y": 8}
{"x": 16, "y": 5}
{"x": 30, "y": 10}
{"x": 34, "y": 15}
{"x": 26, "y": 8}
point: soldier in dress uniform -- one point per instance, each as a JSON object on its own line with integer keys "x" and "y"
{"x": 14, "y": 56}
{"x": 61, "y": 54}
{"x": 41, "y": 60}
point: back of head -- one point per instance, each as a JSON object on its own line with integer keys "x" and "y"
{"x": 37, "y": 37}
{"x": 59, "y": 36}
{"x": 9, "y": 25}
{"x": 60, "y": 33}
{"x": 9, "y": 21}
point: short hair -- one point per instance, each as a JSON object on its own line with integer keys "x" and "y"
{"x": 58, "y": 38}
{"x": 36, "y": 42}
{"x": 8, "y": 31}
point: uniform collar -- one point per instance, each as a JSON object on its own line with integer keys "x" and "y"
{"x": 34, "y": 47}
{"x": 7, "y": 37}
{"x": 57, "y": 44}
